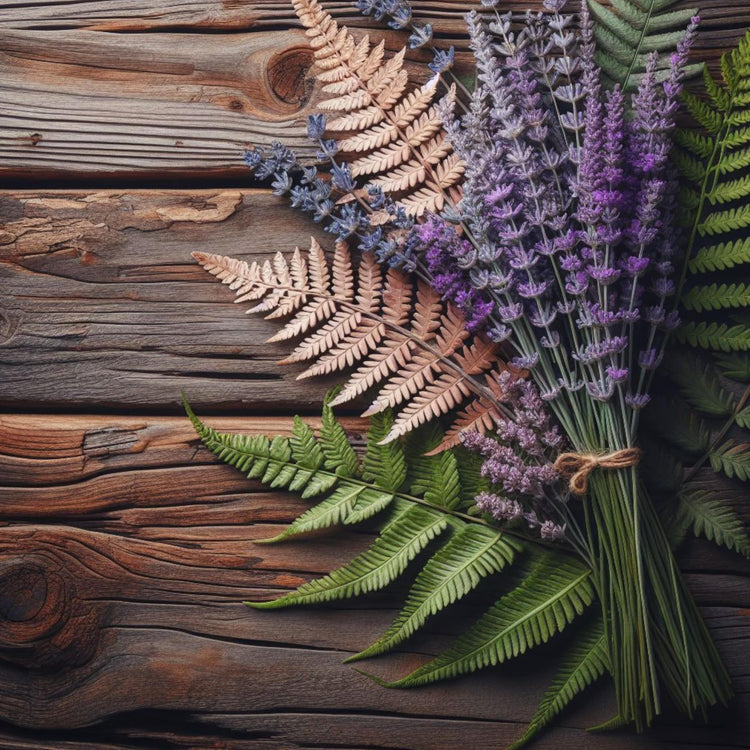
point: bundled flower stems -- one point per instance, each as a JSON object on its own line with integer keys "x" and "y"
{"x": 567, "y": 230}
{"x": 543, "y": 205}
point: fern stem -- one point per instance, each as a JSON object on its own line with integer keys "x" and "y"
{"x": 711, "y": 165}
{"x": 644, "y": 25}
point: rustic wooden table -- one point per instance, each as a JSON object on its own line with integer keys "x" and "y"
{"x": 125, "y": 550}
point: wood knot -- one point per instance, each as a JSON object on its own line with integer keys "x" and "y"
{"x": 9, "y": 323}
{"x": 287, "y": 76}
{"x": 43, "y": 622}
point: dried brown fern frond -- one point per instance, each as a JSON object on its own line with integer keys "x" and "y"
{"x": 397, "y": 131}
{"x": 397, "y": 335}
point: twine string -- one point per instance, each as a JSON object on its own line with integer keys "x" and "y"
{"x": 576, "y": 467}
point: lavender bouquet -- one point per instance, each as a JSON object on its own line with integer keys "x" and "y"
{"x": 567, "y": 231}
{"x": 541, "y": 206}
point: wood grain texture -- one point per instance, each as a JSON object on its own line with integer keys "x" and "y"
{"x": 241, "y": 15}
{"x": 125, "y": 548}
{"x": 105, "y": 308}
{"x": 125, "y": 557}
{"x": 78, "y": 101}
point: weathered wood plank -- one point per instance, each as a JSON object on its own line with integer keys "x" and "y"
{"x": 106, "y": 106}
{"x": 239, "y": 15}
{"x": 121, "y": 590}
{"x": 104, "y": 306}
{"x": 107, "y": 103}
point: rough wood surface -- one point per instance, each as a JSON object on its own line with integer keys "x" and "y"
{"x": 159, "y": 103}
{"x": 125, "y": 549}
{"x": 105, "y": 306}
{"x": 125, "y": 557}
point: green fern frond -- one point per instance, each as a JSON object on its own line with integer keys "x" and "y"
{"x": 742, "y": 418}
{"x": 467, "y": 549}
{"x": 671, "y": 419}
{"x": 732, "y": 162}
{"x": 736, "y": 119}
{"x": 719, "y": 233}
{"x": 435, "y": 477}
{"x": 737, "y": 138}
{"x": 305, "y": 448}
{"x": 735, "y": 366}
{"x": 330, "y": 512}
{"x": 711, "y": 517}
{"x": 715, "y": 336}
{"x": 391, "y": 552}
{"x": 717, "y": 297}
{"x": 628, "y": 30}
{"x": 722, "y": 256}
{"x": 582, "y": 664}
{"x": 549, "y": 598}
{"x": 720, "y": 98}
{"x": 698, "y": 384}
{"x": 691, "y": 167}
{"x": 700, "y": 144}
{"x": 732, "y": 459}
{"x": 473, "y": 553}
{"x": 703, "y": 112}
{"x": 610, "y": 725}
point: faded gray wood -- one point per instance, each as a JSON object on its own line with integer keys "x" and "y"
{"x": 123, "y": 571}
{"x": 105, "y": 309}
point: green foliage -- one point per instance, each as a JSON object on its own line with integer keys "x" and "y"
{"x": 722, "y": 256}
{"x": 685, "y": 435}
{"x": 735, "y": 366}
{"x": 395, "y": 547}
{"x": 732, "y": 459}
{"x": 339, "y": 454}
{"x": 717, "y": 297}
{"x": 584, "y": 662}
{"x": 435, "y": 478}
{"x": 698, "y": 383}
{"x": 414, "y": 498}
{"x": 711, "y": 517}
{"x": 551, "y": 595}
{"x": 473, "y": 553}
{"x": 718, "y": 337}
{"x": 626, "y": 31}
{"x": 717, "y": 204}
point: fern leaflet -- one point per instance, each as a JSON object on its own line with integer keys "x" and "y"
{"x": 584, "y": 662}
{"x": 473, "y": 553}
{"x": 732, "y": 459}
{"x": 711, "y": 517}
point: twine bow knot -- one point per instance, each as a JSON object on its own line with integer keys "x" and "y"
{"x": 576, "y": 467}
